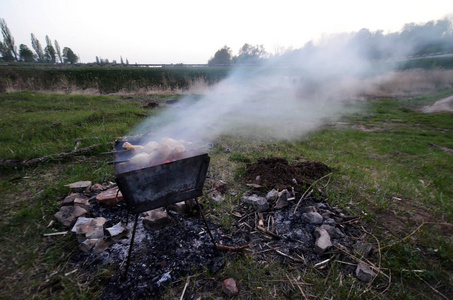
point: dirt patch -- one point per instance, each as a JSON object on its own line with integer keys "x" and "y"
{"x": 277, "y": 173}
{"x": 443, "y": 105}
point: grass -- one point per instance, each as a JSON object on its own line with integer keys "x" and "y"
{"x": 391, "y": 168}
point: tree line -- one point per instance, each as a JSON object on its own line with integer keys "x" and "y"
{"x": 48, "y": 54}
{"x": 433, "y": 37}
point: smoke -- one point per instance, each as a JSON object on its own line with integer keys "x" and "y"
{"x": 283, "y": 98}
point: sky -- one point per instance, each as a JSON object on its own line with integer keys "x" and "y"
{"x": 189, "y": 32}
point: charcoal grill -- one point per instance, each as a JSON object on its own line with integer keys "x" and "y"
{"x": 160, "y": 185}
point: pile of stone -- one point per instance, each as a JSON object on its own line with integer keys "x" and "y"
{"x": 315, "y": 226}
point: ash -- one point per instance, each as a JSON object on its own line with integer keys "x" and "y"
{"x": 160, "y": 258}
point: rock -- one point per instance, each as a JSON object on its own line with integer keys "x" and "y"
{"x": 117, "y": 231}
{"x": 333, "y": 231}
{"x": 322, "y": 240}
{"x": 96, "y": 188}
{"x": 363, "y": 248}
{"x": 82, "y": 202}
{"x": 79, "y": 186}
{"x": 308, "y": 209}
{"x": 109, "y": 197}
{"x": 69, "y": 200}
{"x": 364, "y": 273}
{"x": 312, "y": 218}
{"x": 330, "y": 221}
{"x": 272, "y": 196}
{"x": 89, "y": 228}
{"x": 67, "y": 215}
{"x": 257, "y": 202}
{"x": 282, "y": 200}
{"x": 102, "y": 245}
{"x": 88, "y": 245}
{"x": 180, "y": 208}
{"x": 216, "y": 197}
{"x": 229, "y": 287}
{"x": 221, "y": 187}
{"x": 165, "y": 278}
{"x": 156, "y": 219}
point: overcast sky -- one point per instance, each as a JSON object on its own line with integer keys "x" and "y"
{"x": 191, "y": 31}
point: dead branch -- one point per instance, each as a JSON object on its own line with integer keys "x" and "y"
{"x": 185, "y": 287}
{"x": 34, "y": 161}
{"x": 402, "y": 240}
{"x": 309, "y": 188}
{"x": 226, "y": 248}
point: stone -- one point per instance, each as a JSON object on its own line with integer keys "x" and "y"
{"x": 82, "y": 202}
{"x": 109, "y": 197}
{"x": 229, "y": 287}
{"x": 322, "y": 240}
{"x": 333, "y": 231}
{"x": 69, "y": 200}
{"x": 282, "y": 200}
{"x": 308, "y": 209}
{"x": 364, "y": 273}
{"x": 312, "y": 218}
{"x": 179, "y": 207}
{"x": 330, "y": 221}
{"x": 156, "y": 219}
{"x": 258, "y": 203}
{"x": 272, "y": 196}
{"x": 216, "y": 197}
{"x": 88, "y": 245}
{"x": 89, "y": 228}
{"x": 79, "y": 186}
{"x": 363, "y": 248}
{"x": 117, "y": 231}
{"x": 102, "y": 245}
{"x": 96, "y": 188}
{"x": 67, "y": 215}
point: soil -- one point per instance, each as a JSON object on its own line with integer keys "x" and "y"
{"x": 277, "y": 173}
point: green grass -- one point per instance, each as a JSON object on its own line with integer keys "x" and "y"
{"x": 389, "y": 168}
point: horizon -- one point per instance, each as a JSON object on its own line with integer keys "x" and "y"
{"x": 190, "y": 33}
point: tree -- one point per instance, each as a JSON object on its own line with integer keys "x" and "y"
{"x": 221, "y": 57}
{"x": 26, "y": 54}
{"x": 57, "y": 49}
{"x": 49, "y": 51}
{"x": 37, "y": 47}
{"x": 7, "y": 48}
{"x": 69, "y": 56}
{"x": 250, "y": 54}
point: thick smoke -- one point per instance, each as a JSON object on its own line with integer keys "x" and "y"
{"x": 281, "y": 99}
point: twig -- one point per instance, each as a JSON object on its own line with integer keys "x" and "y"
{"x": 402, "y": 240}
{"x": 225, "y": 248}
{"x": 288, "y": 256}
{"x": 303, "y": 196}
{"x": 185, "y": 287}
{"x": 55, "y": 233}
{"x": 262, "y": 229}
{"x": 299, "y": 287}
{"x": 442, "y": 295}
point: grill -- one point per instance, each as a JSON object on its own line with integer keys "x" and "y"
{"x": 160, "y": 185}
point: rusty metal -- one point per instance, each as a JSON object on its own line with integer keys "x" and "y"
{"x": 153, "y": 187}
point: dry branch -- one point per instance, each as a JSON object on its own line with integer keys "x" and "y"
{"x": 34, "y": 161}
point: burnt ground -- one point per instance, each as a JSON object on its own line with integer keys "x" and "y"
{"x": 161, "y": 258}
{"x": 277, "y": 173}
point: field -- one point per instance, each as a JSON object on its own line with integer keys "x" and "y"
{"x": 392, "y": 169}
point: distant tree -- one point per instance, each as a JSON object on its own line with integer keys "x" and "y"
{"x": 58, "y": 51}
{"x": 97, "y": 60}
{"x": 37, "y": 47}
{"x": 26, "y": 54}
{"x": 49, "y": 51}
{"x": 221, "y": 57}
{"x": 127, "y": 62}
{"x": 122, "y": 62}
{"x": 250, "y": 54}
{"x": 69, "y": 56}
{"x": 7, "y": 47}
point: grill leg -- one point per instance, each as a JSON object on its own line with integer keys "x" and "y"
{"x": 207, "y": 226}
{"x": 131, "y": 245}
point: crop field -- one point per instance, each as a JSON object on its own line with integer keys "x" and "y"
{"x": 391, "y": 169}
